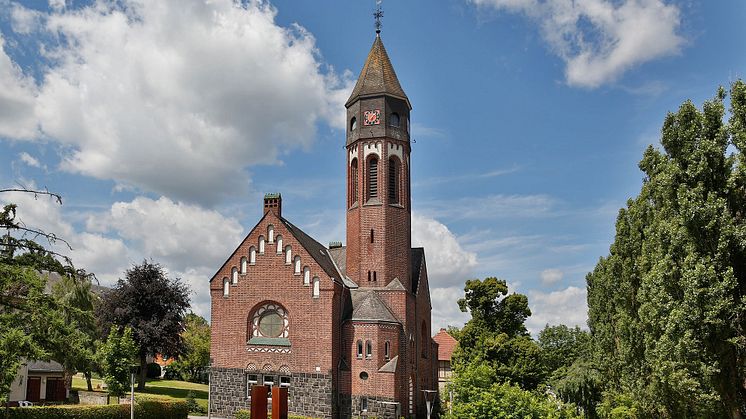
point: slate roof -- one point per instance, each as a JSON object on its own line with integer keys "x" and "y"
{"x": 417, "y": 255}
{"x": 317, "y": 250}
{"x": 368, "y": 306}
{"x": 390, "y": 366}
{"x": 378, "y": 76}
{"x": 45, "y": 366}
{"x": 446, "y": 345}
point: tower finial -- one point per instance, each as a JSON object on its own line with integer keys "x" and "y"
{"x": 378, "y": 14}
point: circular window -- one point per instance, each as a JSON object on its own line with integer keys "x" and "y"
{"x": 271, "y": 324}
{"x": 363, "y": 375}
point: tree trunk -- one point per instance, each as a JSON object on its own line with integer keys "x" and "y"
{"x": 87, "y": 375}
{"x": 143, "y": 372}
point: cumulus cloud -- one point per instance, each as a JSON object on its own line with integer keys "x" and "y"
{"x": 181, "y": 235}
{"x": 601, "y": 39}
{"x": 17, "y": 98}
{"x": 23, "y": 20}
{"x": 176, "y": 97}
{"x": 551, "y": 276}
{"x": 448, "y": 267}
{"x": 568, "y": 306}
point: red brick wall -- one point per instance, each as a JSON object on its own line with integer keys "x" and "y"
{"x": 311, "y": 330}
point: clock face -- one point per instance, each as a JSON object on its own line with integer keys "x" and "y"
{"x": 372, "y": 117}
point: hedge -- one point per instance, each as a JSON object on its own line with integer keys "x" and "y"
{"x": 145, "y": 409}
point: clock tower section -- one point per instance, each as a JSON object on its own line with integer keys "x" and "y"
{"x": 378, "y": 186}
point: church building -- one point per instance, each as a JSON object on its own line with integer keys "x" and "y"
{"x": 345, "y": 328}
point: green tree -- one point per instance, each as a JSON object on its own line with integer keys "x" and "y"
{"x": 34, "y": 325}
{"x": 153, "y": 306}
{"x": 496, "y": 334}
{"x": 666, "y": 306}
{"x": 561, "y": 346}
{"x": 479, "y": 394}
{"x": 117, "y": 357}
{"x": 196, "y": 352}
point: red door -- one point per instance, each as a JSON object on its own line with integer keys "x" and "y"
{"x": 33, "y": 389}
{"x": 55, "y": 390}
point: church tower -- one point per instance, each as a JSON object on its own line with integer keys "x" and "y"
{"x": 378, "y": 186}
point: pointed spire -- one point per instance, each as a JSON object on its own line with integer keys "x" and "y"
{"x": 378, "y": 76}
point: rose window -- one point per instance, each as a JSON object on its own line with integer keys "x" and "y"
{"x": 270, "y": 321}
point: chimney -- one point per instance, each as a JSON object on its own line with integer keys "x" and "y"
{"x": 273, "y": 203}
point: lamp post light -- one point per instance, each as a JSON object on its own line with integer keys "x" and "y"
{"x": 429, "y": 399}
{"x": 133, "y": 370}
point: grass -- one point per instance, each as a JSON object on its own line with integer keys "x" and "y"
{"x": 165, "y": 389}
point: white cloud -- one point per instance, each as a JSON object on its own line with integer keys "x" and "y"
{"x": 551, "y": 276}
{"x": 180, "y": 235}
{"x": 29, "y": 159}
{"x": 568, "y": 307}
{"x": 448, "y": 263}
{"x": 448, "y": 267}
{"x": 23, "y": 20}
{"x": 491, "y": 206}
{"x": 601, "y": 39}
{"x": 17, "y": 98}
{"x": 177, "y": 97}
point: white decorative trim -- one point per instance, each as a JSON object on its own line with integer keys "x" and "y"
{"x": 268, "y": 350}
{"x": 371, "y": 148}
{"x": 351, "y": 154}
{"x": 396, "y": 150}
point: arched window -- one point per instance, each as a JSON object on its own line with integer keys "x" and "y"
{"x": 387, "y": 350}
{"x": 394, "y": 119}
{"x": 368, "y": 349}
{"x": 394, "y": 181}
{"x": 353, "y": 123}
{"x": 271, "y": 233}
{"x": 288, "y": 255}
{"x": 279, "y": 244}
{"x": 226, "y": 287}
{"x": 296, "y": 261}
{"x": 372, "y": 178}
{"x": 270, "y": 320}
{"x": 306, "y": 276}
{"x": 353, "y": 182}
{"x": 316, "y": 287}
{"x": 359, "y": 348}
{"x": 261, "y": 245}
{"x": 252, "y": 255}
{"x": 234, "y": 276}
{"x": 244, "y": 262}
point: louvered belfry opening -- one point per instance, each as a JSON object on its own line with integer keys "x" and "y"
{"x": 393, "y": 181}
{"x": 373, "y": 178}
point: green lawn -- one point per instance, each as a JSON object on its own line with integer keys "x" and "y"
{"x": 167, "y": 389}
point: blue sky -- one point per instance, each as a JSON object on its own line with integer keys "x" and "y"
{"x": 163, "y": 123}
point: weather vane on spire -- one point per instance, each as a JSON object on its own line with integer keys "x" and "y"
{"x": 378, "y": 14}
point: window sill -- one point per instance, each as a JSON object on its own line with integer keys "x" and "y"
{"x": 373, "y": 202}
{"x": 353, "y": 206}
{"x": 397, "y": 205}
{"x": 260, "y": 341}
{"x": 296, "y": 274}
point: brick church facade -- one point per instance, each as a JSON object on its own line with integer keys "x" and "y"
{"x": 345, "y": 328}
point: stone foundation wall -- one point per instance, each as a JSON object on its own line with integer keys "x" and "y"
{"x": 308, "y": 395}
{"x": 227, "y": 391}
{"x": 378, "y": 407}
{"x": 311, "y": 395}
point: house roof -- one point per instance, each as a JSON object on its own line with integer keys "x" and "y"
{"x": 446, "y": 345}
{"x": 377, "y": 76}
{"x": 45, "y": 366}
{"x": 368, "y": 306}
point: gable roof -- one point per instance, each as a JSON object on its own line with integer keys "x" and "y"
{"x": 377, "y": 76}
{"x": 418, "y": 255}
{"x": 446, "y": 345}
{"x": 368, "y": 306}
{"x": 318, "y": 251}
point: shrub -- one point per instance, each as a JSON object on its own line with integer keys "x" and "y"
{"x": 153, "y": 370}
{"x": 194, "y": 407}
{"x": 243, "y": 414}
{"x": 145, "y": 409}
